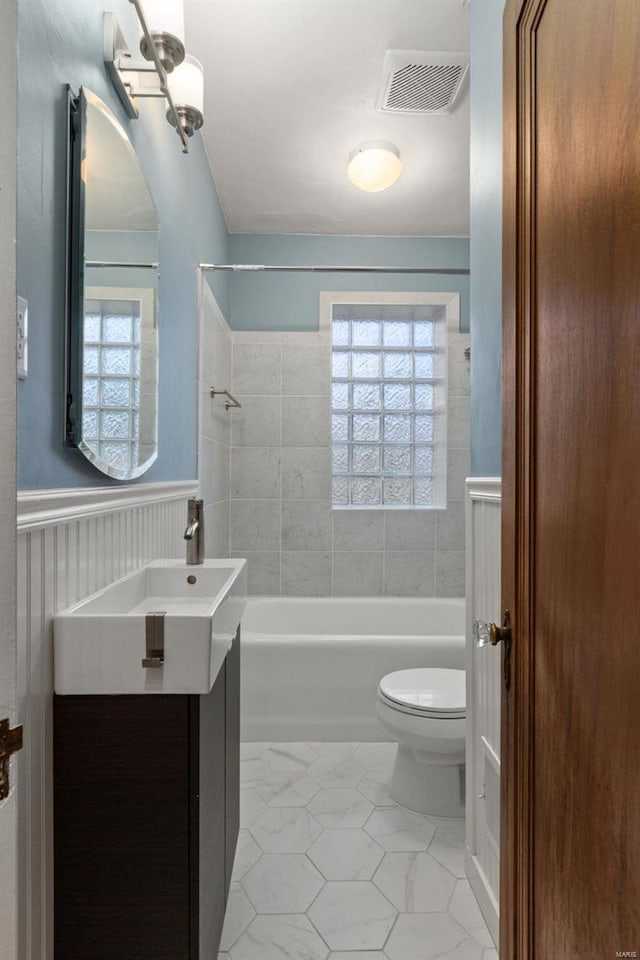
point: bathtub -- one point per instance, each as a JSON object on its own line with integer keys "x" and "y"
{"x": 311, "y": 667}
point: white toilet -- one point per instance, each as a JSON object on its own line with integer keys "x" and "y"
{"x": 424, "y": 710}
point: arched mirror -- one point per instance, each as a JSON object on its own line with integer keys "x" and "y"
{"x": 112, "y": 296}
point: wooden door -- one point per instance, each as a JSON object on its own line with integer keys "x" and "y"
{"x": 570, "y": 863}
{"x": 12, "y": 899}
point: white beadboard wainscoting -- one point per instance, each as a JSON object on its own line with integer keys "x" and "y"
{"x": 484, "y": 679}
{"x": 70, "y": 543}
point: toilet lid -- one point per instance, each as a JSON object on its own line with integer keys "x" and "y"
{"x": 435, "y": 692}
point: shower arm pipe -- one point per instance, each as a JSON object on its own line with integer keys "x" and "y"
{"x": 278, "y": 268}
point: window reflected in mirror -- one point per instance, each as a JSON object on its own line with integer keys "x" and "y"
{"x": 119, "y": 409}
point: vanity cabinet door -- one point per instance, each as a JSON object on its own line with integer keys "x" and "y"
{"x": 146, "y": 815}
{"x": 121, "y": 827}
{"x": 208, "y": 811}
{"x": 232, "y": 760}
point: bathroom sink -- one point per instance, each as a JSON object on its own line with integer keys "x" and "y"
{"x": 179, "y": 619}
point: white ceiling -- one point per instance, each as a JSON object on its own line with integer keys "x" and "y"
{"x": 290, "y": 91}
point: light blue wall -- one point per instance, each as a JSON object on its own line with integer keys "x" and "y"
{"x": 486, "y": 232}
{"x": 289, "y": 301}
{"x": 61, "y": 43}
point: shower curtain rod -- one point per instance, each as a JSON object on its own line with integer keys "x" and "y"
{"x": 277, "y": 268}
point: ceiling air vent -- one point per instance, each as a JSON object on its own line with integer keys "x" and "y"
{"x": 417, "y": 81}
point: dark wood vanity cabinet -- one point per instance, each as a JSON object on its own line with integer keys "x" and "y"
{"x": 146, "y": 817}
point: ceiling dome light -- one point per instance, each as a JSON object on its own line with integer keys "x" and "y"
{"x": 374, "y": 166}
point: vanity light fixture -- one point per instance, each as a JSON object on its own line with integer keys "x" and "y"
{"x": 165, "y": 71}
{"x": 165, "y": 22}
{"x": 186, "y": 84}
{"x": 374, "y": 166}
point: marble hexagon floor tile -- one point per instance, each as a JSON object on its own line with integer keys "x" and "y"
{"x": 414, "y": 882}
{"x": 376, "y": 792}
{"x": 397, "y": 829}
{"x": 345, "y": 854}
{"x": 286, "y": 937}
{"x": 427, "y": 936}
{"x": 333, "y": 748}
{"x": 356, "y": 955}
{"x": 282, "y": 883}
{"x": 290, "y": 757}
{"x": 285, "y": 830}
{"x": 290, "y": 789}
{"x": 464, "y": 908}
{"x": 340, "y": 808}
{"x": 331, "y": 772}
{"x": 238, "y": 916}
{"x": 252, "y": 806}
{"x": 447, "y": 846}
{"x": 352, "y": 916}
{"x": 252, "y": 772}
{"x": 253, "y": 750}
{"x": 247, "y": 853}
{"x": 329, "y": 803}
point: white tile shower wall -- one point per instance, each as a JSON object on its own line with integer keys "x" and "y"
{"x": 69, "y": 545}
{"x": 214, "y": 444}
{"x": 280, "y": 509}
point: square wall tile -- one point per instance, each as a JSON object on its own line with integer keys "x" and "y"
{"x": 358, "y": 530}
{"x": 305, "y": 421}
{"x": 306, "y": 473}
{"x": 409, "y": 573}
{"x": 255, "y": 473}
{"x": 458, "y": 467}
{"x": 254, "y": 525}
{"x": 257, "y": 369}
{"x": 450, "y": 573}
{"x": 263, "y": 572}
{"x": 357, "y": 574}
{"x": 306, "y": 525}
{"x": 257, "y": 424}
{"x": 216, "y": 527}
{"x": 458, "y": 422}
{"x": 458, "y": 367}
{"x": 409, "y": 530}
{"x": 450, "y": 527}
{"x": 305, "y": 370}
{"x": 216, "y": 421}
{"x": 306, "y": 573}
{"x": 213, "y": 470}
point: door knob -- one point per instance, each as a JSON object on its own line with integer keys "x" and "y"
{"x": 484, "y": 633}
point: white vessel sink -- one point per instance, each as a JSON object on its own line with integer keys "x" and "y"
{"x": 100, "y": 643}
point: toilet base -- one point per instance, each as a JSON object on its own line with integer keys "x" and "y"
{"x": 423, "y": 783}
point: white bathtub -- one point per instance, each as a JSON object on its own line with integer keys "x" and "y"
{"x": 311, "y": 667}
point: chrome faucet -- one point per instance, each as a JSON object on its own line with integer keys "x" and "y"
{"x": 194, "y": 534}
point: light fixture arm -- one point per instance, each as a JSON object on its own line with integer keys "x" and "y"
{"x": 120, "y": 64}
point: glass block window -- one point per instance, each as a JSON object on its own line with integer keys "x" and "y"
{"x": 388, "y": 407}
{"x": 111, "y": 380}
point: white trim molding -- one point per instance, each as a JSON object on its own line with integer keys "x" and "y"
{"x": 44, "y": 508}
{"x": 484, "y": 692}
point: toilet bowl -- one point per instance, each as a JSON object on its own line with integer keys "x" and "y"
{"x": 424, "y": 710}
